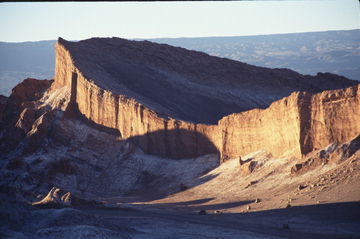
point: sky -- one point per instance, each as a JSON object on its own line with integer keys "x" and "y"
{"x": 80, "y": 20}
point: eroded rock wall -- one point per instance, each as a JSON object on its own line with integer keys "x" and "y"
{"x": 275, "y": 129}
{"x": 294, "y": 125}
{"x": 332, "y": 116}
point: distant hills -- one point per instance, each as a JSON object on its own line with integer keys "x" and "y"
{"x": 336, "y": 52}
{"x": 26, "y": 59}
{"x": 308, "y": 53}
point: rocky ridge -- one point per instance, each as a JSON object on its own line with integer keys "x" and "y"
{"x": 120, "y": 85}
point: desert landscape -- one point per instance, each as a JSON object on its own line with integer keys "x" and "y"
{"x": 136, "y": 139}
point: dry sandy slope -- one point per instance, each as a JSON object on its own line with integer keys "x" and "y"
{"x": 271, "y": 182}
{"x": 326, "y": 207}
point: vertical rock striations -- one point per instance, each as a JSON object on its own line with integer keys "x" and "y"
{"x": 275, "y": 129}
{"x": 331, "y": 116}
{"x": 294, "y": 125}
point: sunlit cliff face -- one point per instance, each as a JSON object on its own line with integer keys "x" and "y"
{"x": 123, "y": 101}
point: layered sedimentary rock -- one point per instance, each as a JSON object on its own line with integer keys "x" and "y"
{"x": 170, "y": 100}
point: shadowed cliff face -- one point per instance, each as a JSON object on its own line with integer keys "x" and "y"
{"x": 178, "y": 143}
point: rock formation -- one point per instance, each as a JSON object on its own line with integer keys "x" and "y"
{"x": 54, "y": 199}
{"x": 57, "y": 198}
{"x": 163, "y": 98}
{"x": 20, "y": 116}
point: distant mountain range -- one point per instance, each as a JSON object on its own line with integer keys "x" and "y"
{"x": 26, "y": 59}
{"x": 308, "y": 53}
{"x": 336, "y": 52}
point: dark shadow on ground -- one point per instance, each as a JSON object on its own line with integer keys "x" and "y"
{"x": 330, "y": 221}
{"x": 193, "y": 205}
{"x": 189, "y": 203}
{"x": 92, "y": 124}
{"x": 175, "y": 143}
{"x": 337, "y": 212}
{"x": 169, "y": 143}
{"x": 151, "y": 192}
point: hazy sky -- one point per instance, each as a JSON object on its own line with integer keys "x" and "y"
{"x": 75, "y": 21}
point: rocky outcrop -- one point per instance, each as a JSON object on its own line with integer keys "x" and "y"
{"x": 29, "y": 90}
{"x": 20, "y": 115}
{"x": 53, "y": 199}
{"x": 333, "y": 153}
{"x": 57, "y": 198}
{"x": 159, "y": 96}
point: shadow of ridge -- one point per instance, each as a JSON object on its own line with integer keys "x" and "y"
{"x": 150, "y": 192}
{"x": 90, "y": 123}
{"x": 330, "y": 221}
{"x": 193, "y": 204}
{"x": 340, "y": 211}
{"x": 174, "y": 143}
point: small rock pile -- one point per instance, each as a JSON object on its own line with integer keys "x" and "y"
{"x": 57, "y": 198}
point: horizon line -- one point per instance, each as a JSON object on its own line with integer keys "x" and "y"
{"x": 186, "y": 37}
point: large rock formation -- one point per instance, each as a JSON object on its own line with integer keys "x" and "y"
{"x": 164, "y": 98}
{"x": 182, "y": 84}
